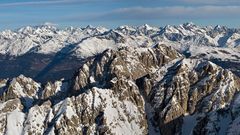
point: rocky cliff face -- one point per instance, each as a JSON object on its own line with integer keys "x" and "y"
{"x": 126, "y": 91}
{"x": 189, "y": 94}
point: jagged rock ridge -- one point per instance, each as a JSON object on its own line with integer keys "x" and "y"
{"x": 126, "y": 91}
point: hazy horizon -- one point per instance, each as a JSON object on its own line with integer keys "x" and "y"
{"x": 62, "y": 27}
{"x": 112, "y": 13}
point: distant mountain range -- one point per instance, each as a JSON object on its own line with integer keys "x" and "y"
{"x": 47, "y": 39}
{"x": 42, "y": 52}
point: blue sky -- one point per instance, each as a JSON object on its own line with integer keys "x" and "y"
{"x": 112, "y": 13}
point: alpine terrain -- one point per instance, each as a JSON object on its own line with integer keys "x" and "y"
{"x": 172, "y": 80}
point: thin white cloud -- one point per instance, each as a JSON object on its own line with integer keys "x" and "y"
{"x": 157, "y": 13}
{"x": 212, "y": 2}
{"x": 26, "y": 3}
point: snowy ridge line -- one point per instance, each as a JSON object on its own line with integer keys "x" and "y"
{"x": 48, "y": 39}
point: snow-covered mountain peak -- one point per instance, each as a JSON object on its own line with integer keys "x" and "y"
{"x": 8, "y": 34}
{"x": 89, "y": 27}
{"x": 146, "y": 27}
{"x": 126, "y": 28}
{"x": 26, "y": 30}
{"x": 217, "y": 27}
{"x": 220, "y": 28}
{"x": 44, "y": 28}
{"x": 190, "y": 26}
{"x": 94, "y": 30}
{"x": 170, "y": 29}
